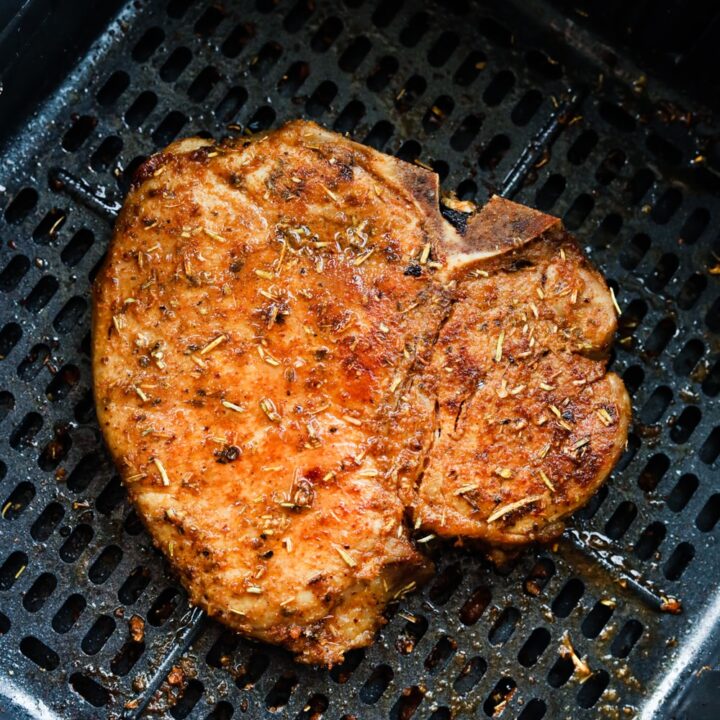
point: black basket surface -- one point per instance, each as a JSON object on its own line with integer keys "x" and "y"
{"x": 463, "y": 89}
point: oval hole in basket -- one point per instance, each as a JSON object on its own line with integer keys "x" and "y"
{"x": 47, "y": 521}
{"x": 475, "y": 605}
{"x": 499, "y": 696}
{"x": 134, "y": 585}
{"x": 38, "y": 593}
{"x": 682, "y": 492}
{"x": 678, "y": 561}
{"x": 568, "y": 597}
{"x": 68, "y": 613}
{"x": 591, "y": 690}
{"x": 163, "y": 607}
{"x": 650, "y": 540}
{"x": 534, "y": 647}
{"x": 127, "y": 657}
{"x": 89, "y": 689}
{"x": 710, "y": 449}
{"x": 408, "y": 702}
{"x": 98, "y": 635}
{"x": 504, "y": 627}
{"x": 685, "y": 424}
{"x": 113, "y": 88}
{"x": 413, "y": 32}
{"x": 188, "y": 699}
{"x": 21, "y": 206}
{"x": 105, "y": 564}
{"x": 627, "y": 638}
{"x": 653, "y": 472}
{"x": 411, "y": 634}
{"x": 620, "y": 520}
{"x": 441, "y": 653}
{"x": 689, "y": 356}
{"x": 656, "y": 405}
{"x": 709, "y": 515}
{"x": 596, "y": 619}
{"x": 494, "y": 152}
{"x": 354, "y": 54}
{"x": 326, "y": 34}
{"x": 37, "y": 651}
{"x": 13, "y": 273}
{"x": 18, "y": 500}
{"x": 539, "y": 576}
{"x": 534, "y": 710}
{"x": 470, "y": 675}
{"x": 150, "y": 41}
{"x": 252, "y": 670}
{"x": 470, "y": 68}
{"x": 560, "y": 672}
{"x": 376, "y": 684}
{"x": 446, "y": 583}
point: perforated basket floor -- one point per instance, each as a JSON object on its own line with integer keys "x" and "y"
{"x": 464, "y": 93}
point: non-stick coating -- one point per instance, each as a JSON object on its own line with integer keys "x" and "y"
{"x": 465, "y": 92}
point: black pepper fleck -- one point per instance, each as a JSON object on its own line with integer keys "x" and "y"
{"x": 228, "y": 454}
{"x": 413, "y": 271}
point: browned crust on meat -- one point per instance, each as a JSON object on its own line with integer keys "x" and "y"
{"x": 502, "y": 226}
{"x": 323, "y": 339}
{"x": 200, "y": 317}
{"x": 527, "y": 424}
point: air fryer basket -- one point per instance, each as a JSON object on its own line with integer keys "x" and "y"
{"x": 88, "y": 611}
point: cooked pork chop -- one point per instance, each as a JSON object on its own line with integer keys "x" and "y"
{"x": 286, "y": 338}
{"x": 254, "y": 311}
{"x": 527, "y": 422}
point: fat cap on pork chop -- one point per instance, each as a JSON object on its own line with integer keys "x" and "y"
{"x": 269, "y": 333}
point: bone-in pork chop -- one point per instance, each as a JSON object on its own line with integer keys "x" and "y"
{"x": 527, "y": 423}
{"x": 291, "y": 348}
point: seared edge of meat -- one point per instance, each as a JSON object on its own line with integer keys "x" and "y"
{"x": 500, "y": 227}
